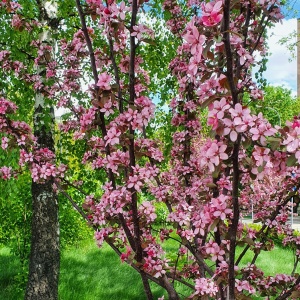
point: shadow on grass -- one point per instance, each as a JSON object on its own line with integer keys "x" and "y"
{"x": 93, "y": 273}
{"x": 9, "y": 268}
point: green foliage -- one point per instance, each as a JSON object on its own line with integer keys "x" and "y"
{"x": 290, "y": 43}
{"x": 73, "y": 228}
{"x": 278, "y": 105}
{"x": 162, "y": 214}
{"x": 276, "y": 237}
{"x": 15, "y": 215}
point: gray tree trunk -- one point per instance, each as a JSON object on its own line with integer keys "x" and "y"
{"x": 45, "y": 255}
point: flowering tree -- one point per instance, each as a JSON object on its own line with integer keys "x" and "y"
{"x": 208, "y": 182}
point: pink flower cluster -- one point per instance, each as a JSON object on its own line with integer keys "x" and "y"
{"x": 153, "y": 263}
{"x": 6, "y": 173}
{"x": 205, "y": 286}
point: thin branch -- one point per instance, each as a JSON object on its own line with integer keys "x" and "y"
{"x": 264, "y": 226}
{"x": 290, "y": 291}
{"x": 200, "y": 260}
{"x": 74, "y": 204}
{"x": 229, "y": 54}
{"x": 174, "y": 277}
{"x": 75, "y": 187}
{"x": 88, "y": 41}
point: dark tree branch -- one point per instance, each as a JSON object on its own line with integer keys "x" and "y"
{"x": 228, "y": 52}
{"x": 116, "y": 71}
{"x": 139, "y": 250}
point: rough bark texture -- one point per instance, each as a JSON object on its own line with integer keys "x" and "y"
{"x": 44, "y": 256}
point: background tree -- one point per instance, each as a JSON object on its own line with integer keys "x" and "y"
{"x": 38, "y": 19}
{"x": 45, "y": 249}
{"x": 278, "y": 105}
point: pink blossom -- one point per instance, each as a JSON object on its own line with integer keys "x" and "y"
{"x": 125, "y": 256}
{"x": 140, "y": 30}
{"x": 6, "y": 106}
{"x": 5, "y": 172}
{"x": 261, "y": 130}
{"x": 261, "y": 155}
{"x": 148, "y": 211}
{"x": 244, "y": 285}
{"x": 4, "y": 142}
{"x": 195, "y": 40}
{"x": 25, "y": 157}
{"x": 104, "y": 81}
{"x": 21, "y": 140}
{"x": 211, "y": 14}
{"x": 87, "y": 118}
{"x": 219, "y": 207}
{"x": 112, "y": 136}
{"x": 213, "y": 153}
{"x": 134, "y": 182}
{"x": 213, "y": 249}
{"x": 107, "y": 108}
{"x": 230, "y": 129}
{"x": 101, "y": 234}
{"x": 216, "y": 112}
{"x": 245, "y": 56}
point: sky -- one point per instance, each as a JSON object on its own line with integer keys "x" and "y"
{"x": 280, "y": 71}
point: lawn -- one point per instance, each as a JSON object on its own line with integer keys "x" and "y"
{"x": 87, "y": 273}
{"x": 90, "y": 273}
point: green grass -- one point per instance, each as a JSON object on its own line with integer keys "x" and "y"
{"x": 87, "y": 273}
{"x": 90, "y": 273}
{"x": 278, "y": 261}
{"x": 9, "y": 267}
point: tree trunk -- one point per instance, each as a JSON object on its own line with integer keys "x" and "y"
{"x": 44, "y": 256}
{"x": 45, "y": 251}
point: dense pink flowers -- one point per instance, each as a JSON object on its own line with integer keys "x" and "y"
{"x": 6, "y": 107}
{"x": 206, "y": 286}
{"x": 4, "y": 142}
{"x": 183, "y": 176}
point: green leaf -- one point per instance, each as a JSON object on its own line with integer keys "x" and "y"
{"x": 291, "y": 161}
{"x": 149, "y": 41}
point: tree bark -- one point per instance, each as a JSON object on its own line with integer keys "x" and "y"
{"x": 45, "y": 255}
{"x": 45, "y": 251}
